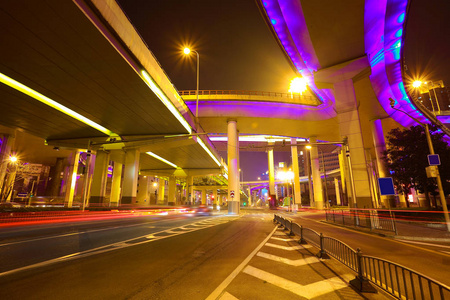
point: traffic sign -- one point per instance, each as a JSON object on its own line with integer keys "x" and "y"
{"x": 434, "y": 160}
{"x": 231, "y": 194}
{"x": 386, "y": 185}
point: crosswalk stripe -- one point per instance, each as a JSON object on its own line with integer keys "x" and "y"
{"x": 289, "y": 248}
{"x": 284, "y": 240}
{"x": 228, "y": 296}
{"x": 296, "y": 263}
{"x": 308, "y": 291}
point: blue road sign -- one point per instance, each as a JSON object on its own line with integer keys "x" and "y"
{"x": 386, "y": 185}
{"x": 434, "y": 160}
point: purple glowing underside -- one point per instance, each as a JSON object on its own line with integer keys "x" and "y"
{"x": 383, "y": 33}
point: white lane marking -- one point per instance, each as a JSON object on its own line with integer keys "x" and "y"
{"x": 288, "y": 248}
{"x": 99, "y": 250}
{"x": 427, "y": 244}
{"x": 228, "y": 296}
{"x": 284, "y": 240}
{"x": 296, "y": 263}
{"x": 308, "y": 291}
{"x": 216, "y": 293}
{"x": 448, "y": 252}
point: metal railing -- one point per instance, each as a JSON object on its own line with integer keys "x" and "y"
{"x": 399, "y": 281}
{"x": 368, "y": 218}
{"x": 246, "y": 93}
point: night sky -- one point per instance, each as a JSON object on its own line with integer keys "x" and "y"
{"x": 427, "y": 44}
{"x": 237, "y": 50}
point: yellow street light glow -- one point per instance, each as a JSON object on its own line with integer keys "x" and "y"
{"x": 417, "y": 83}
{"x": 162, "y": 159}
{"x": 308, "y": 147}
{"x": 155, "y": 184}
{"x": 12, "y": 158}
{"x": 152, "y": 85}
{"x": 199, "y": 140}
{"x": 298, "y": 85}
{"x": 44, "y": 99}
{"x": 187, "y": 51}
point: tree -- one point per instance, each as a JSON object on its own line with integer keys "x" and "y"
{"x": 406, "y": 156}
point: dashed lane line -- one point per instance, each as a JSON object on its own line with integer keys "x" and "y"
{"x": 308, "y": 291}
{"x": 296, "y": 263}
{"x": 288, "y": 248}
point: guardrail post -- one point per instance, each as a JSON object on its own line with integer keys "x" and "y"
{"x": 322, "y": 254}
{"x": 361, "y": 283}
{"x": 302, "y": 240}
{"x": 291, "y": 233}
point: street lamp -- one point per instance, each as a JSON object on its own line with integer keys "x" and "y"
{"x": 417, "y": 84}
{"x": 187, "y": 51}
{"x": 430, "y": 147}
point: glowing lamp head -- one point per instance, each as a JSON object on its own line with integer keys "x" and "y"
{"x": 308, "y": 147}
{"x": 187, "y": 51}
{"x": 13, "y": 159}
{"x": 298, "y": 85}
{"x": 417, "y": 83}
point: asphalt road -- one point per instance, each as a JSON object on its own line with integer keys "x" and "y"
{"x": 156, "y": 258}
{"x": 179, "y": 257}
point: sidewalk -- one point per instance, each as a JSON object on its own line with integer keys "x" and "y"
{"x": 405, "y": 230}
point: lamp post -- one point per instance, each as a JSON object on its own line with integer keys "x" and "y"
{"x": 187, "y": 51}
{"x": 431, "y": 148}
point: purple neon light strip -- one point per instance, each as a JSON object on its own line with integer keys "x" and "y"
{"x": 299, "y": 49}
{"x": 383, "y": 31}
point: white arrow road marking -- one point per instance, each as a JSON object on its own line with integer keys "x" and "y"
{"x": 227, "y": 296}
{"x": 308, "y": 291}
{"x": 289, "y": 248}
{"x": 296, "y": 263}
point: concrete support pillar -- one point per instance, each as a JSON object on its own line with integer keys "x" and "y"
{"x": 130, "y": 177}
{"x": 5, "y": 152}
{"x": 204, "y": 196}
{"x": 98, "y": 187}
{"x": 55, "y": 183}
{"x": 272, "y": 192}
{"x": 233, "y": 168}
{"x": 338, "y": 194}
{"x": 161, "y": 188}
{"x": 317, "y": 181}
{"x": 295, "y": 169}
{"x": 71, "y": 178}
{"x": 350, "y": 127}
{"x": 344, "y": 178}
{"x": 10, "y": 182}
{"x": 142, "y": 196}
{"x": 190, "y": 181}
{"x": 380, "y": 146}
{"x": 216, "y": 199}
{"x": 116, "y": 183}
{"x": 308, "y": 173}
{"x": 172, "y": 199}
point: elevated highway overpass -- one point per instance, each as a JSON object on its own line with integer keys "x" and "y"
{"x": 83, "y": 78}
{"x": 77, "y": 74}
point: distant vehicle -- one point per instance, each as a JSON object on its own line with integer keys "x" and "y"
{"x": 202, "y": 210}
